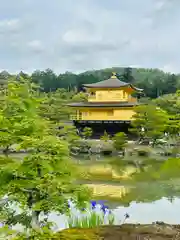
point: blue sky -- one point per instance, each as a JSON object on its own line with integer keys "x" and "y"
{"x": 79, "y": 35}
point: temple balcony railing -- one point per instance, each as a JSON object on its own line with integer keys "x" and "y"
{"x": 75, "y": 117}
{"x": 100, "y": 118}
{"x": 112, "y": 99}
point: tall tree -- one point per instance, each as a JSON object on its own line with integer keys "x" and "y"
{"x": 154, "y": 81}
{"x": 150, "y": 121}
{"x": 171, "y": 104}
{"x": 44, "y": 179}
{"x": 171, "y": 84}
{"x": 127, "y": 75}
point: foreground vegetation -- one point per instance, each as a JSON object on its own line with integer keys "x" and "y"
{"x": 45, "y": 179}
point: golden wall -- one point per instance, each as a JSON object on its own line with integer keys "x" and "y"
{"x": 110, "y": 95}
{"x": 114, "y": 114}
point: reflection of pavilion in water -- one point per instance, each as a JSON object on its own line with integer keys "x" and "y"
{"x": 119, "y": 190}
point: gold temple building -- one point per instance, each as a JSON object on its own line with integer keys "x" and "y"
{"x": 110, "y": 106}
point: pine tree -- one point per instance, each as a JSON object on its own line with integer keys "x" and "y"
{"x": 150, "y": 122}
{"x": 127, "y": 75}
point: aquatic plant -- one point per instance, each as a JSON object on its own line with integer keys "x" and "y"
{"x": 95, "y": 214}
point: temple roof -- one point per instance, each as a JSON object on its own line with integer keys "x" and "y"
{"x": 99, "y": 104}
{"x": 112, "y": 82}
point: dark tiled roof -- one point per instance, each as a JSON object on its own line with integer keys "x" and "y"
{"x": 98, "y": 104}
{"x": 112, "y": 82}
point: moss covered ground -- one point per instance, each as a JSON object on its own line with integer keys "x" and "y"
{"x": 124, "y": 232}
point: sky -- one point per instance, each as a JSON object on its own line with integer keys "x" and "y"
{"x": 80, "y": 35}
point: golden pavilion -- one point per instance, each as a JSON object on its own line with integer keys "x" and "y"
{"x": 110, "y": 106}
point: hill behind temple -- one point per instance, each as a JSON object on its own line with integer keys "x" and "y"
{"x": 154, "y": 81}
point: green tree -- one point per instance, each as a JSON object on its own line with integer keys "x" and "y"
{"x": 80, "y": 97}
{"x": 119, "y": 141}
{"x": 171, "y": 84}
{"x": 154, "y": 81}
{"x": 105, "y": 136}
{"x": 87, "y": 132}
{"x": 149, "y": 122}
{"x": 44, "y": 179}
{"x": 54, "y": 107}
{"x": 167, "y": 102}
{"x": 127, "y": 75}
{"x": 68, "y": 133}
{"x": 171, "y": 104}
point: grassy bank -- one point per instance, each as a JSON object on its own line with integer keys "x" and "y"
{"x": 125, "y": 232}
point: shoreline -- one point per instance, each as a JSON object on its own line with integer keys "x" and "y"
{"x": 154, "y": 231}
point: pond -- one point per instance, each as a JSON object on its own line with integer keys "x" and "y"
{"x": 160, "y": 210}
{"x": 145, "y": 202}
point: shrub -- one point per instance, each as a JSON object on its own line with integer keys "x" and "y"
{"x": 105, "y": 137}
{"x": 119, "y": 141}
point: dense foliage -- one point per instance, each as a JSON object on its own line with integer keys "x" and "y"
{"x": 33, "y": 120}
{"x": 41, "y": 181}
{"x": 171, "y": 104}
{"x": 150, "y": 121}
{"x": 119, "y": 141}
{"x": 154, "y": 82}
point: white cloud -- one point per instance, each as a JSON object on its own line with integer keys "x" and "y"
{"x": 159, "y": 5}
{"x": 170, "y": 68}
{"x": 35, "y": 45}
{"x": 9, "y": 25}
{"x": 89, "y": 34}
{"x": 81, "y": 36}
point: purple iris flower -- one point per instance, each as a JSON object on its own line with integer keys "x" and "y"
{"x": 126, "y": 216}
{"x": 104, "y": 208}
{"x": 93, "y": 204}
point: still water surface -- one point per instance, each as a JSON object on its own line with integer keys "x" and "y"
{"x": 149, "y": 202}
{"x": 153, "y": 202}
{"x": 161, "y": 210}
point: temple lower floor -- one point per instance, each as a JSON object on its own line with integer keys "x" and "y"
{"x": 99, "y": 127}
